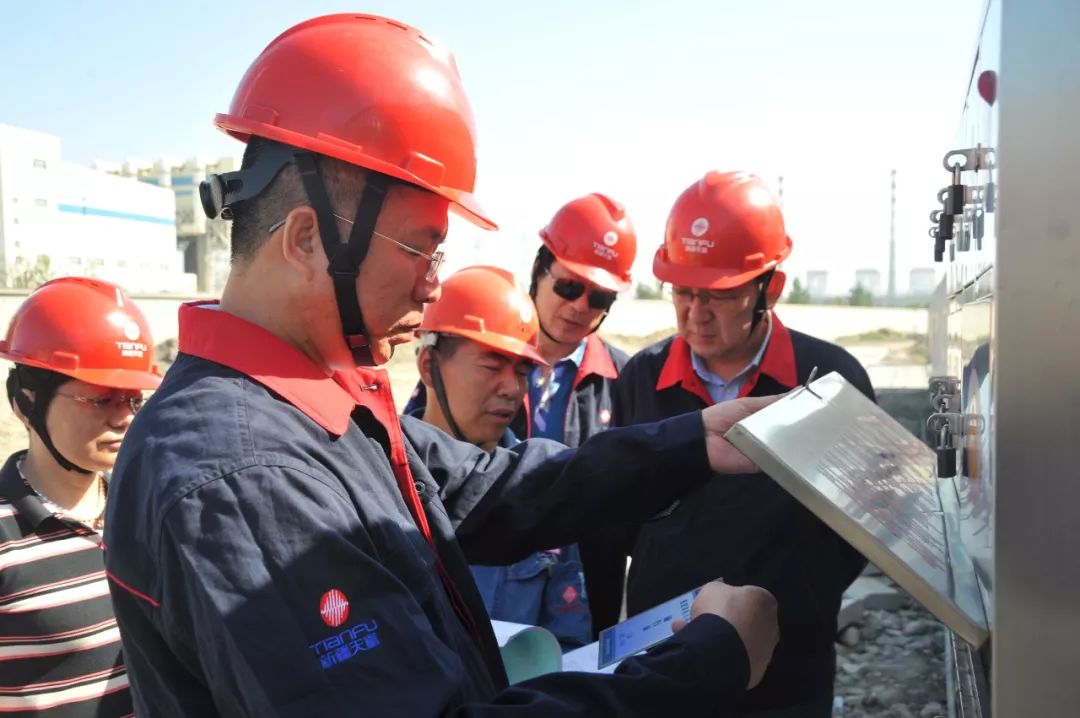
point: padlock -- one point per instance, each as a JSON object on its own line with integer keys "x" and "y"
{"x": 944, "y": 221}
{"x": 944, "y": 428}
{"x": 956, "y": 195}
{"x": 945, "y": 450}
{"x": 990, "y": 196}
{"x": 939, "y": 245}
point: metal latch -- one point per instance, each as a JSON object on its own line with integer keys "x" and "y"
{"x": 944, "y": 394}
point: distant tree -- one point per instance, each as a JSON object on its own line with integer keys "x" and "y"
{"x": 798, "y": 294}
{"x": 649, "y": 291}
{"x": 32, "y": 276}
{"x": 860, "y": 296}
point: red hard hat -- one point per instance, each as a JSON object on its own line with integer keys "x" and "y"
{"x": 370, "y": 91}
{"x": 86, "y": 329}
{"x": 723, "y": 231}
{"x": 592, "y": 237}
{"x": 482, "y": 304}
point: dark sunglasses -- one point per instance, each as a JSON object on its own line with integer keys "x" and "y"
{"x": 571, "y": 290}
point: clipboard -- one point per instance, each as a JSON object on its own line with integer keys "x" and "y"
{"x": 873, "y": 483}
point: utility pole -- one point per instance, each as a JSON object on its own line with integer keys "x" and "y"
{"x": 892, "y": 238}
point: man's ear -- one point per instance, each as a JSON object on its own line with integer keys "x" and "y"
{"x": 423, "y": 364}
{"x": 18, "y": 412}
{"x": 775, "y": 288}
{"x": 301, "y": 244}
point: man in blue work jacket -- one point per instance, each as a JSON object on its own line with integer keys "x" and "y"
{"x": 725, "y": 238}
{"x": 278, "y": 543}
{"x": 478, "y": 349}
{"x": 584, "y": 261}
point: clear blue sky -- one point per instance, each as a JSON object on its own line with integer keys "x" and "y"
{"x": 636, "y": 99}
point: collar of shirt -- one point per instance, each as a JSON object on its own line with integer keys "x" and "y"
{"x": 777, "y": 361}
{"x": 594, "y": 359}
{"x": 327, "y": 399}
{"x": 577, "y": 355}
{"x": 590, "y": 357}
{"x": 717, "y": 382}
{"x": 509, "y": 440}
{"x": 19, "y": 493}
{"x": 549, "y": 393}
{"x": 558, "y": 371}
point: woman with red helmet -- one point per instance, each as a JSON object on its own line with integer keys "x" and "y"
{"x": 83, "y": 358}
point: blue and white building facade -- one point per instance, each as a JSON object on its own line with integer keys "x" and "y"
{"x": 58, "y": 218}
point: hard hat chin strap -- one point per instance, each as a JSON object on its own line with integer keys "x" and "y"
{"x": 219, "y": 193}
{"x": 439, "y": 387}
{"x": 761, "y": 306}
{"x": 35, "y": 411}
{"x": 345, "y": 258}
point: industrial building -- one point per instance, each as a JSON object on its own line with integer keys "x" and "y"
{"x": 59, "y": 218}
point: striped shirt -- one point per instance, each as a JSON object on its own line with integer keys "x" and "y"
{"x": 59, "y": 644}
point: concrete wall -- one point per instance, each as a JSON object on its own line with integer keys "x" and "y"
{"x": 629, "y": 317}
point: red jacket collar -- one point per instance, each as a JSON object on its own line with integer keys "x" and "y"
{"x": 329, "y": 401}
{"x": 778, "y": 362}
{"x": 596, "y": 360}
{"x": 228, "y": 340}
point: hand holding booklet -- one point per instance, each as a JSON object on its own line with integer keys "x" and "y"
{"x": 530, "y": 651}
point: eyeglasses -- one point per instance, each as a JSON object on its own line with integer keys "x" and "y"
{"x": 572, "y": 289}
{"x": 101, "y": 403}
{"x": 434, "y": 260}
{"x": 705, "y": 296}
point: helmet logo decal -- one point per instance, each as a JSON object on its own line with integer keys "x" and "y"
{"x": 134, "y": 350}
{"x": 605, "y": 248}
{"x": 699, "y": 227}
{"x": 696, "y": 246}
{"x": 131, "y": 331}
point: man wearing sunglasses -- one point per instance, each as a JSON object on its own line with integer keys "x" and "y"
{"x": 723, "y": 243}
{"x": 584, "y": 262}
{"x": 280, "y": 542}
{"x": 83, "y": 357}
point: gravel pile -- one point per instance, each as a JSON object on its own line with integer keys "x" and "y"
{"x": 892, "y": 666}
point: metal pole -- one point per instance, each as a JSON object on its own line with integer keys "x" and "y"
{"x": 892, "y": 237}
